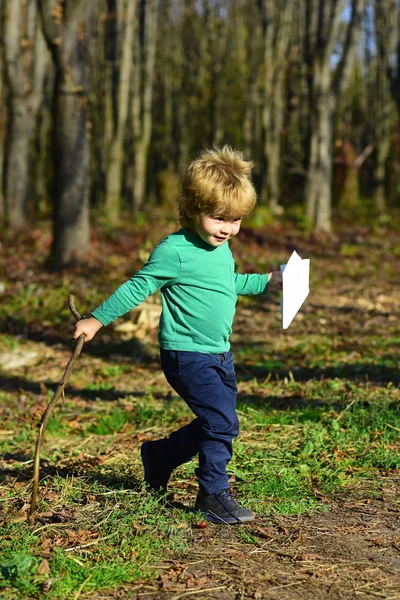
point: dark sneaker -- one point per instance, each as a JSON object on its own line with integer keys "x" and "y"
{"x": 156, "y": 475}
{"x": 222, "y": 508}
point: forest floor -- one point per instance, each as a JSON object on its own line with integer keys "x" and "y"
{"x": 318, "y": 457}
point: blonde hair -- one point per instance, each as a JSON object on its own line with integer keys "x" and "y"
{"x": 218, "y": 181}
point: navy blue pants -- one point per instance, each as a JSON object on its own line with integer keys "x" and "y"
{"x": 207, "y": 383}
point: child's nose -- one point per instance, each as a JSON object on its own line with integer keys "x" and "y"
{"x": 226, "y": 229}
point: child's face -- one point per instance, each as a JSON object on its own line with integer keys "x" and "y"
{"x": 216, "y": 229}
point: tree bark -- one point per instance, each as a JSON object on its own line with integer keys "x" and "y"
{"x": 3, "y": 118}
{"x": 387, "y": 19}
{"x": 326, "y": 86}
{"x": 68, "y": 29}
{"x": 116, "y": 157}
{"x": 26, "y": 60}
{"x": 142, "y": 101}
{"x": 187, "y": 62}
{"x": 277, "y": 23}
{"x": 216, "y": 28}
{"x": 384, "y": 92}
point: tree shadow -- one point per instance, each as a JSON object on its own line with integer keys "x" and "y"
{"x": 12, "y": 383}
{"x": 102, "y": 346}
{"x": 358, "y": 372}
{"x": 110, "y": 481}
{"x": 76, "y": 469}
{"x": 294, "y": 402}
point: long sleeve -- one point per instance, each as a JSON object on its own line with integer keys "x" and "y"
{"x": 162, "y": 269}
{"x": 251, "y": 284}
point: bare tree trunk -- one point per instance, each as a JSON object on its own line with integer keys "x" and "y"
{"x": 216, "y": 27}
{"x": 187, "y": 67}
{"x": 3, "y": 117}
{"x": 387, "y": 19}
{"x": 68, "y": 29}
{"x": 26, "y": 62}
{"x": 318, "y": 190}
{"x": 142, "y": 104}
{"x": 247, "y": 52}
{"x": 385, "y": 81}
{"x": 327, "y": 83}
{"x": 114, "y": 171}
{"x": 42, "y": 201}
{"x": 383, "y": 124}
{"x": 277, "y": 22}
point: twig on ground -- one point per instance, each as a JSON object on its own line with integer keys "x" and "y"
{"x": 46, "y": 415}
{"x": 197, "y": 591}
{"x": 82, "y": 586}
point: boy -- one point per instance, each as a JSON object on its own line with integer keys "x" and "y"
{"x": 194, "y": 269}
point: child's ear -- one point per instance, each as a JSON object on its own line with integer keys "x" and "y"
{"x": 190, "y": 213}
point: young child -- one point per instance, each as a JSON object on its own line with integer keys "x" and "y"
{"x": 195, "y": 271}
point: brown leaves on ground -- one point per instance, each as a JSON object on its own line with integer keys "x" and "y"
{"x": 346, "y": 553}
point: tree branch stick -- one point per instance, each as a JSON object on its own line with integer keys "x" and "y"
{"x": 46, "y": 415}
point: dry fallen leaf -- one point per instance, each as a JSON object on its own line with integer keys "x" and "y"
{"x": 44, "y": 568}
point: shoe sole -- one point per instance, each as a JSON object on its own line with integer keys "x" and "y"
{"x": 213, "y": 518}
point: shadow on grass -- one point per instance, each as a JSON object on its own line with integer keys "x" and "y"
{"x": 111, "y": 482}
{"x": 11, "y": 383}
{"x": 280, "y": 403}
{"x": 85, "y": 470}
{"x": 359, "y": 372}
{"x": 115, "y": 347}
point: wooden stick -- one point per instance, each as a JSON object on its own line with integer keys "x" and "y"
{"x": 46, "y": 415}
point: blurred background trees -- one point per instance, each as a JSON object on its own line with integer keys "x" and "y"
{"x": 103, "y": 103}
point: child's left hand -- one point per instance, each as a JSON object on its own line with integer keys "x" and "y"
{"x": 274, "y": 281}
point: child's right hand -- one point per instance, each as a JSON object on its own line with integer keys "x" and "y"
{"x": 275, "y": 281}
{"x": 89, "y": 327}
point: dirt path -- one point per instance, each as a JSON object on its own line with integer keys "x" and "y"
{"x": 352, "y": 551}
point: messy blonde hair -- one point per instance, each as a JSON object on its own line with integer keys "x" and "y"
{"x": 217, "y": 182}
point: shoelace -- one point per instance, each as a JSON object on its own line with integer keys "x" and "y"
{"x": 226, "y": 497}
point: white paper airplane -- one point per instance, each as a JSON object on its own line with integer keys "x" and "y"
{"x": 295, "y": 286}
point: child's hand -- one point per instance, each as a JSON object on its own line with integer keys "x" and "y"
{"x": 89, "y": 327}
{"x": 275, "y": 281}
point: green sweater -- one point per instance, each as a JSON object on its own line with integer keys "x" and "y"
{"x": 199, "y": 289}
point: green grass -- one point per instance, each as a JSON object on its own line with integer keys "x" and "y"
{"x": 111, "y": 541}
{"x": 300, "y": 443}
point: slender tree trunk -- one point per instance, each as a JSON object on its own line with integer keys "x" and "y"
{"x": 327, "y": 84}
{"x": 68, "y": 31}
{"x": 42, "y": 203}
{"x": 26, "y": 62}
{"x": 277, "y": 23}
{"x": 114, "y": 171}
{"x": 20, "y": 133}
{"x": 248, "y": 121}
{"x": 387, "y": 20}
{"x": 183, "y": 144}
{"x": 3, "y": 118}
{"x": 272, "y": 146}
{"x": 386, "y": 81}
{"x": 383, "y": 124}
{"x": 216, "y": 33}
{"x": 318, "y": 188}
{"x": 380, "y": 178}
{"x": 146, "y": 66}
{"x": 188, "y": 73}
